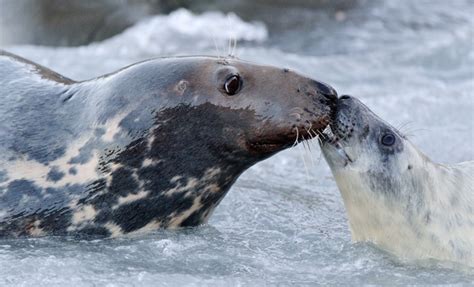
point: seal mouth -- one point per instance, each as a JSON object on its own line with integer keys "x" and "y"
{"x": 328, "y": 137}
{"x": 283, "y": 140}
{"x": 331, "y": 136}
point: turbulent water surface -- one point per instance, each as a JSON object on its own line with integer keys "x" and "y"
{"x": 284, "y": 220}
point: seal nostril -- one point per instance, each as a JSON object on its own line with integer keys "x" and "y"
{"x": 326, "y": 91}
{"x": 345, "y": 97}
{"x": 332, "y": 97}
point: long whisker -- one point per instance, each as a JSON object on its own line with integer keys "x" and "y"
{"x": 405, "y": 128}
{"x": 237, "y": 51}
{"x": 413, "y": 132}
{"x": 297, "y": 137}
{"x": 403, "y": 125}
{"x": 317, "y": 133}
{"x": 304, "y": 160}
{"x": 308, "y": 142}
{"x": 229, "y": 46}
{"x": 306, "y": 150}
{"x": 234, "y": 47}
{"x": 314, "y": 136}
{"x": 232, "y": 39}
{"x": 217, "y": 48}
{"x": 229, "y": 35}
{"x": 312, "y": 133}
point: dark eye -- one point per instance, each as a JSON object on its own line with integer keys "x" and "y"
{"x": 388, "y": 139}
{"x": 232, "y": 85}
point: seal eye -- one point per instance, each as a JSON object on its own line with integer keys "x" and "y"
{"x": 388, "y": 139}
{"x": 232, "y": 85}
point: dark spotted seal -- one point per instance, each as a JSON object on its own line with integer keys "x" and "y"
{"x": 155, "y": 145}
{"x": 395, "y": 196}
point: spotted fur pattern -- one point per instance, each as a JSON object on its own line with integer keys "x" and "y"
{"x": 136, "y": 150}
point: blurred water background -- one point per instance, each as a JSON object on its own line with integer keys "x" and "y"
{"x": 283, "y": 222}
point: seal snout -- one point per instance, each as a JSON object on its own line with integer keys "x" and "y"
{"x": 342, "y": 122}
{"x": 336, "y": 138}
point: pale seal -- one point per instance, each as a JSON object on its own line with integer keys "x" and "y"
{"x": 155, "y": 145}
{"x": 395, "y": 196}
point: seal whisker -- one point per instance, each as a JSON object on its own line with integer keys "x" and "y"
{"x": 411, "y": 133}
{"x": 215, "y": 45}
{"x": 232, "y": 38}
{"x": 305, "y": 144}
{"x": 403, "y": 125}
{"x": 308, "y": 151}
{"x": 229, "y": 46}
{"x": 308, "y": 131}
{"x": 311, "y": 137}
{"x": 309, "y": 148}
{"x": 234, "y": 48}
{"x": 304, "y": 160}
{"x": 406, "y": 130}
{"x": 318, "y": 156}
{"x": 297, "y": 137}
{"x": 318, "y": 137}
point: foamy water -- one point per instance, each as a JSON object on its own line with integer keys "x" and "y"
{"x": 284, "y": 220}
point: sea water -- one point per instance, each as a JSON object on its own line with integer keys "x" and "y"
{"x": 283, "y": 221}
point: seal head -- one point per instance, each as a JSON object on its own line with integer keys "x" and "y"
{"x": 395, "y": 196}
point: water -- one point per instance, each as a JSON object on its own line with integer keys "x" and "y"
{"x": 282, "y": 222}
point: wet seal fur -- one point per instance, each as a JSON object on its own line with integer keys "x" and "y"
{"x": 395, "y": 196}
{"x": 155, "y": 145}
